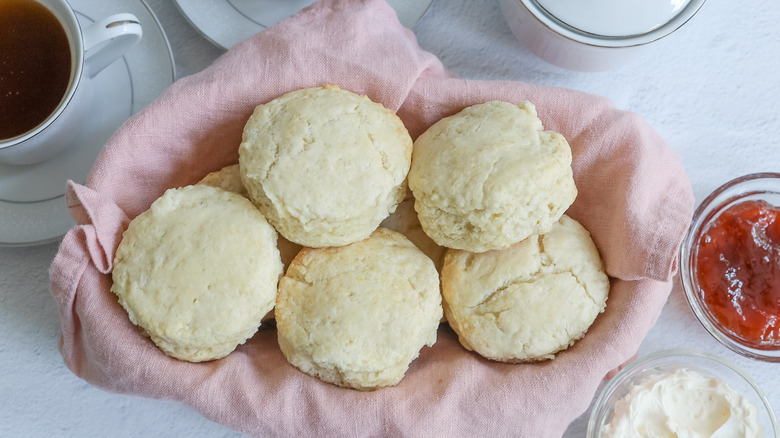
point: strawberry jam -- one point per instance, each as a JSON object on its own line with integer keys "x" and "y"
{"x": 738, "y": 271}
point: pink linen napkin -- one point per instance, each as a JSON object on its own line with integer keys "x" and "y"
{"x": 634, "y": 197}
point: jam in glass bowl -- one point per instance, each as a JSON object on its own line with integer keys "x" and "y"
{"x": 730, "y": 265}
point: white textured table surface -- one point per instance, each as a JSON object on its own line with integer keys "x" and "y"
{"x": 711, "y": 90}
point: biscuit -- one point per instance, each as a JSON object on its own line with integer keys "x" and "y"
{"x": 404, "y": 220}
{"x": 197, "y": 271}
{"x": 358, "y": 315}
{"x": 229, "y": 178}
{"x": 325, "y": 165}
{"x": 529, "y": 301}
{"x": 490, "y": 176}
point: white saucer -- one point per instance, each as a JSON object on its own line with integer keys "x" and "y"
{"x": 226, "y": 22}
{"x": 32, "y": 200}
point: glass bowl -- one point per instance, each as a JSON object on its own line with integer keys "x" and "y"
{"x": 668, "y": 361}
{"x": 753, "y": 187}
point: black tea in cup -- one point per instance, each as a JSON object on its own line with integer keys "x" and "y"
{"x": 35, "y": 65}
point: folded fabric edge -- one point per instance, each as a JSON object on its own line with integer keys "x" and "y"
{"x": 101, "y": 221}
{"x": 675, "y": 223}
{"x": 65, "y": 272}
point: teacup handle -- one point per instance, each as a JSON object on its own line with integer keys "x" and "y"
{"x": 108, "y": 39}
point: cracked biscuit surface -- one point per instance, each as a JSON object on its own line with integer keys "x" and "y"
{"x": 197, "y": 271}
{"x": 490, "y": 176}
{"x": 325, "y": 165}
{"x": 529, "y": 301}
{"x": 358, "y": 315}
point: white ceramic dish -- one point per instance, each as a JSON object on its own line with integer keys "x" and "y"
{"x": 32, "y": 201}
{"x": 226, "y": 22}
{"x": 599, "y": 35}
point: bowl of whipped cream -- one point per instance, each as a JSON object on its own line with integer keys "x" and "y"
{"x": 681, "y": 393}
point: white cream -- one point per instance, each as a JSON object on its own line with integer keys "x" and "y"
{"x": 683, "y": 404}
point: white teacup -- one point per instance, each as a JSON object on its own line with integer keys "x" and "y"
{"x": 92, "y": 49}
